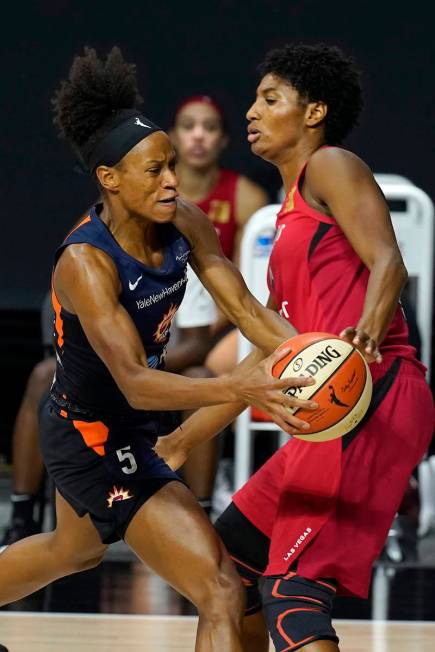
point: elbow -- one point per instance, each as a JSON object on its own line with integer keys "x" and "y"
{"x": 393, "y": 266}
{"x": 134, "y": 401}
{"x": 134, "y": 393}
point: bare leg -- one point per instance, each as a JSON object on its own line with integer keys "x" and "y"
{"x": 173, "y": 536}
{"x": 28, "y": 469}
{"x": 34, "y": 562}
{"x": 199, "y": 470}
{"x": 255, "y": 633}
{"x": 28, "y": 464}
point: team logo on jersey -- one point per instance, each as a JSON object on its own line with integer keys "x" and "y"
{"x": 284, "y": 312}
{"x": 153, "y": 361}
{"x": 138, "y": 122}
{"x": 299, "y": 541}
{"x": 182, "y": 256}
{"x": 152, "y": 299}
{"x": 163, "y": 328}
{"x": 219, "y": 211}
{"x": 117, "y": 495}
{"x": 278, "y": 233}
{"x": 133, "y": 286}
{"x": 290, "y": 203}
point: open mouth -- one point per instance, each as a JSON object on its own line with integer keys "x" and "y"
{"x": 170, "y": 201}
{"x": 253, "y": 134}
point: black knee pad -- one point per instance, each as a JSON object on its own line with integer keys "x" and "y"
{"x": 297, "y": 610}
{"x": 248, "y": 548}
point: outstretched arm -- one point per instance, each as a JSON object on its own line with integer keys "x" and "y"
{"x": 261, "y": 326}
{"x": 205, "y": 423}
{"x": 208, "y": 422}
{"x": 86, "y": 283}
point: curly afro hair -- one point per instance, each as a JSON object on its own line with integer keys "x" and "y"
{"x": 96, "y": 97}
{"x": 321, "y": 73}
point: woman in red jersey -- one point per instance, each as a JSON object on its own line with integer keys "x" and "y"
{"x": 312, "y": 520}
{"x": 229, "y": 199}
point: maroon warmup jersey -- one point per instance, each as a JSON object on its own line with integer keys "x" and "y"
{"x": 220, "y": 206}
{"x": 327, "y": 507}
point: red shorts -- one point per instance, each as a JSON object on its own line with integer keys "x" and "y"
{"x": 328, "y": 506}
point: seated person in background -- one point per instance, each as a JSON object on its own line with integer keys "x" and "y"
{"x": 28, "y": 468}
{"x": 28, "y": 473}
{"x": 229, "y": 199}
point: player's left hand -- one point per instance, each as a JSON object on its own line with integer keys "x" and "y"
{"x": 363, "y": 342}
{"x": 171, "y": 450}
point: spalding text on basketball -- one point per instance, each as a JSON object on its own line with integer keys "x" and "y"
{"x": 321, "y": 360}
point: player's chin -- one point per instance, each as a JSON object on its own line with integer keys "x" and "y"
{"x": 262, "y": 150}
{"x": 165, "y": 211}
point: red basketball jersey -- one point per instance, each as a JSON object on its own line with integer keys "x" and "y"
{"x": 220, "y": 206}
{"x": 318, "y": 281}
{"x": 327, "y": 507}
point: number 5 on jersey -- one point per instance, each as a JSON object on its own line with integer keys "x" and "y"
{"x": 125, "y": 454}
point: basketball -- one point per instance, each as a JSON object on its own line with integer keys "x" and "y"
{"x": 343, "y": 388}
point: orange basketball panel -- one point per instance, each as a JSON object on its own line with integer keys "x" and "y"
{"x": 338, "y": 395}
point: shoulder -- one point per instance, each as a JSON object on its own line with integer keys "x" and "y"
{"x": 83, "y": 274}
{"x": 330, "y": 162}
{"x": 250, "y": 197}
{"x": 86, "y": 261}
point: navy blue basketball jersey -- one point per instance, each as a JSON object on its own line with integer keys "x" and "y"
{"x": 150, "y": 295}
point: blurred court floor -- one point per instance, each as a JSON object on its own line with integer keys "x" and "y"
{"x": 51, "y": 633}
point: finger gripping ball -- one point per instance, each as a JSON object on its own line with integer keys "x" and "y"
{"x": 343, "y": 388}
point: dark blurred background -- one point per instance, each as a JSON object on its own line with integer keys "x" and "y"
{"x": 181, "y": 49}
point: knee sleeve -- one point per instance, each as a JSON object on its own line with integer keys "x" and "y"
{"x": 297, "y": 610}
{"x": 249, "y": 550}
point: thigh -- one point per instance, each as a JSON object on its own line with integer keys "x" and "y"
{"x": 298, "y": 610}
{"x": 172, "y": 535}
{"x": 258, "y": 499}
{"x": 106, "y": 472}
{"x": 77, "y": 535}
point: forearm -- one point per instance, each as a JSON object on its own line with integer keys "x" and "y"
{"x": 265, "y": 328}
{"x": 386, "y": 281}
{"x": 205, "y": 423}
{"x": 151, "y": 389}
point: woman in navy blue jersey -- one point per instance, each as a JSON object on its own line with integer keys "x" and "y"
{"x": 118, "y": 279}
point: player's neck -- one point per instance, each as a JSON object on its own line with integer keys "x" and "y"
{"x": 292, "y": 160}
{"x": 137, "y": 236}
{"x": 196, "y": 183}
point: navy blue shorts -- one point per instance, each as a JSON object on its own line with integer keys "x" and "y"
{"x": 108, "y": 472}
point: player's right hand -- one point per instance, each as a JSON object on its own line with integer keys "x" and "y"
{"x": 259, "y": 388}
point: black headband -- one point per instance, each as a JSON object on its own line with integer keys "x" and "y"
{"x": 118, "y": 141}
